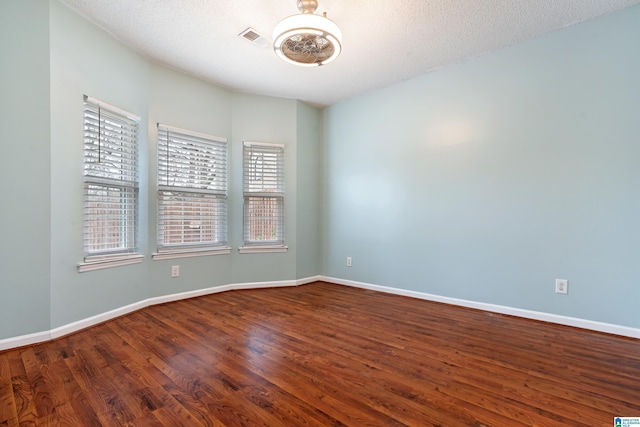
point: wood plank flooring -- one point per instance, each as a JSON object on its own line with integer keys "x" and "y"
{"x": 321, "y": 355}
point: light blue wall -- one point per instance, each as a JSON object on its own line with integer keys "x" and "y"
{"x": 86, "y": 61}
{"x": 264, "y": 119}
{"x": 484, "y": 181}
{"x": 56, "y": 58}
{"x": 188, "y": 103}
{"x": 308, "y": 193}
{"x": 489, "y": 179}
{"x": 24, "y": 167}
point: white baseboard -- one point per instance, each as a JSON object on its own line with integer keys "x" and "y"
{"x": 70, "y": 328}
{"x": 23, "y": 340}
{"x": 38, "y": 337}
{"x": 529, "y": 314}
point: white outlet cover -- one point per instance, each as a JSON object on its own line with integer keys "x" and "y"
{"x": 562, "y": 286}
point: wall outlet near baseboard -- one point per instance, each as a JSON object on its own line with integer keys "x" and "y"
{"x": 175, "y": 271}
{"x": 562, "y": 286}
{"x": 349, "y": 261}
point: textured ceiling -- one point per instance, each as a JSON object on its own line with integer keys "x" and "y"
{"x": 384, "y": 41}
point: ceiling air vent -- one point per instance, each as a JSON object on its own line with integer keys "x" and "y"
{"x": 254, "y": 37}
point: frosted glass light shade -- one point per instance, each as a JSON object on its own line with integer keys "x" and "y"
{"x": 307, "y": 40}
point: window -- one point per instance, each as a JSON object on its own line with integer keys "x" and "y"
{"x": 110, "y": 186}
{"x": 263, "y": 185}
{"x": 192, "y": 193}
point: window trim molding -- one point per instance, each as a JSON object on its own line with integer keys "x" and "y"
{"x": 101, "y": 262}
{"x": 112, "y": 108}
{"x": 263, "y": 144}
{"x": 261, "y": 249}
{"x": 188, "y": 253}
{"x": 162, "y": 126}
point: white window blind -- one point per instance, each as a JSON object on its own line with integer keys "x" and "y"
{"x": 110, "y": 181}
{"x": 192, "y": 190}
{"x": 263, "y": 185}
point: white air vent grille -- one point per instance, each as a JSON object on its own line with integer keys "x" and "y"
{"x": 254, "y": 37}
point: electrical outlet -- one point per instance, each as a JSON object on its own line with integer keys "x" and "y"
{"x": 349, "y": 262}
{"x": 175, "y": 271}
{"x": 562, "y": 286}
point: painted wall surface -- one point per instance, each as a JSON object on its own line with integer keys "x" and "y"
{"x": 488, "y": 180}
{"x": 482, "y": 181}
{"x": 24, "y": 167}
{"x": 68, "y": 58}
{"x": 87, "y": 61}
{"x": 259, "y": 118}
{"x": 308, "y": 191}
{"x": 188, "y": 103}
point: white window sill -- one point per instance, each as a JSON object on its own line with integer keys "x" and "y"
{"x": 262, "y": 249}
{"x": 100, "y": 263}
{"x": 182, "y": 253}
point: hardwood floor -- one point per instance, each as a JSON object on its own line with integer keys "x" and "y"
{"x": 321, "y": 355}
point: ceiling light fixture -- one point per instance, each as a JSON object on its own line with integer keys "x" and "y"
{"x": 307, "y": 39}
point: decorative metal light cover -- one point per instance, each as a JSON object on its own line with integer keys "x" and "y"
{"x": 307, "y": 39}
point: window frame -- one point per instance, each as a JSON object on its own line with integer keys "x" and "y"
{"x": 183, "y": 194}
{"x": 112, "y": 179}
{"x": 275, "y": 192}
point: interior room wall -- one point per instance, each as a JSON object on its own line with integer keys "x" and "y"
{"x": 24, "y": 168}
{"x": 185, "y": 102}
{"x": 57, "y": 57}
{"x": 87, "y": 61}
{"x": 259, "y": 118}
{"x": 308, "y": 123}
{"x": 489, "y": 179}
{"x": 483, "y": 181}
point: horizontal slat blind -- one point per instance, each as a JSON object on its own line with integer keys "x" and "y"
{"x": 109, "y": 218}
{"x": 110, "y": 181}
{"x": 192, "y": 190}
{"x": 263, "y": 182}
{"x": 110, "y": 152}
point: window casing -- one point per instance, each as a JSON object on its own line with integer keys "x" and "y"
{"x": 192, "y": 193}
{"x": 110, "y": 186}
{"x": 263, "y": 190}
